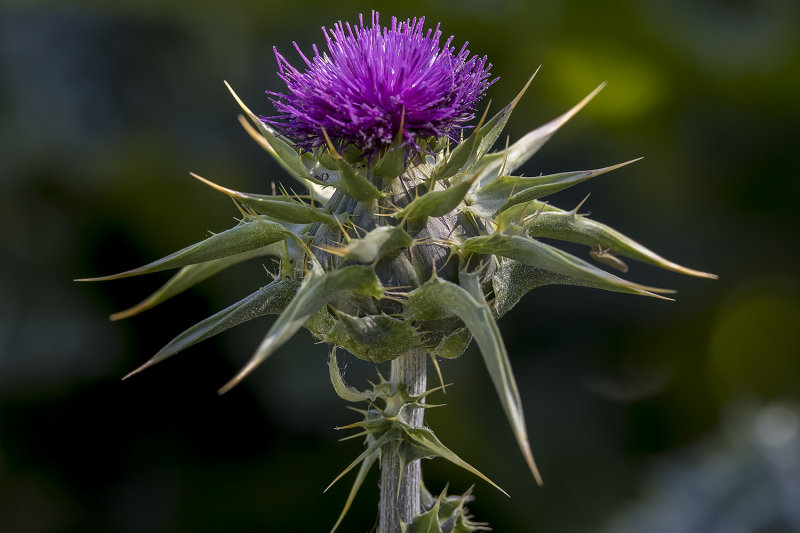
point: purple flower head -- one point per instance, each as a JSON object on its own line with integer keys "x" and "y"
{"x": 377, "y": 82}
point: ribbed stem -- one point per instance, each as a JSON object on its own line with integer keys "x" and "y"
{"x": 408, "y": 369}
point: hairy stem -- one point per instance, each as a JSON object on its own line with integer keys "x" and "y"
{"x": 410, "y": 370}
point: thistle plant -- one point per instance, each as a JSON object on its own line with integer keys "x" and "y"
{"x": 409, "y": 238}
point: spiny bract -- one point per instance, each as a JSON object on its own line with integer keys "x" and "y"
{"x": 404, "y": 240}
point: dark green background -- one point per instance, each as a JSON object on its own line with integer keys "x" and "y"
{"x": 106, "y": 106}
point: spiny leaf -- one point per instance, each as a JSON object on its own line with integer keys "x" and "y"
{"x": 453, "y": 345}
{"x": 457, "y": 160}
{"x": 373, "y": 448}
{"x": 342, "y": 389}
{"x": 438, "y": 298}
{"x": 490, "y": 131}
{"x": 426, "y": 444}
{"x": 351, "y": 181}
{"x": 353, "y": 184}
{"x": 379, "y": 242}
{"x": 279, "y": 207}
{"x": 427, "y": 522}
{"x": 253, "y": 233}
{"x": 317, "y": 290}
{"x": 393, "y": 162}
{"x": 535, "y": 253}
{"x": 191, "y": 275}
{"x": 318, "y": 185}
{"x": 468, "y": 153}
{"x": 495, "y": 357}
{"x": 375, "y": 338}
{"x": 438, "y": 203}
{"x": 514, "y": 280}
{"x": 522, "y": 150}
{"x": 284, "y": 153}
{"x": 506, "y": 191}
{"x": 366, "y": 465}
{"x": 569, "y": 226}
{"x": 270, "y": 299}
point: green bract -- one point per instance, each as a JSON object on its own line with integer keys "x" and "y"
{"x": 402, "y": 252}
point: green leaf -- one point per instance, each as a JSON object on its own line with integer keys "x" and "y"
{"x": 522, "y": 150}
{"x": 375, "y": 338}
{"x": 490, "y": 131}
{"x": 366, "y": 465}
{"x": 537, "y": 254}
{"x": 438, "y": 298}
{"x": 495, "y": 357}
{"x": 349, "y": 180}
{"x": 354, "y": 184}
{"x": 279, "y": 207}
{"x": 316, "y": 291}
{"x": 379, "y": 242}
{"x": 270, "y": 299}
{"x": 342, "y": 389}
{"x": 283, "y": 153}
{"x": 458, "y": 158}
{"x": 506, "y": 191}
{"x": 425, "y": 444}
{"x": 373, "y": 448}
{"x": 392, "y": 163}
{"x": 253, "y": 233}
{"x": 438, "y": 203}
{"x": 568, "y": 226}
{"x": 453, "y": 345}
{"x": 514, "y": 280}
{"x": 427, "y": 522}
{"x": 191, "y": 275}
{"x": 469, "y": 152}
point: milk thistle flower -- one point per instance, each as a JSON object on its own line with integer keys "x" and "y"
{"x": 412, "y": 238}
{"x": 376, "y": 84}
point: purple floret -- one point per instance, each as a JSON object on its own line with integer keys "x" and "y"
{"x": 375, "y": 80}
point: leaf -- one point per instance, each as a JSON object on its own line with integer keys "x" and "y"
{"x": 379, "y": 242}
{"x": 469, "y": 152}
{"x": 458, "y": 158}
{"x": 350, "y": 181}
{"x": 537, "y": 254}
{"x": 495, "y": 357}
{"x": 279, "y": 207}
{"x": 522, "y": 150}
{"x": 506, "y": 191}
{"x": 427, "y": 522}
{"x": 255, "y": 232}
{"x": 453, "y": 345}
{"x": 514, "y": 280}
{"x": 191, "y": 275}
{"x": 355, "y": 185}
{"x": 438, "y": 298}
{"x": 392, "y": 163}
{"x": 375, "y": 338}
{"x": 569, "y": 226}
{"x": 492, "y": 129}
{"x": 426, "y": 444}
{"x": 438, "y": 203}
{"x": 373, "y": 448}
{"x": 342, "y": 389}
{"x": 366, "y": 465}
{"x": 270, "y": 299}
{"x": 283, "y": 153}
{"x": 316, "y": 291}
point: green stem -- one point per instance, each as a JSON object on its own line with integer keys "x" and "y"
{"x": 402, "y": 504}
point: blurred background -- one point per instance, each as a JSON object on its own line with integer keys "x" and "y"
{"x": 644, "y": 415}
